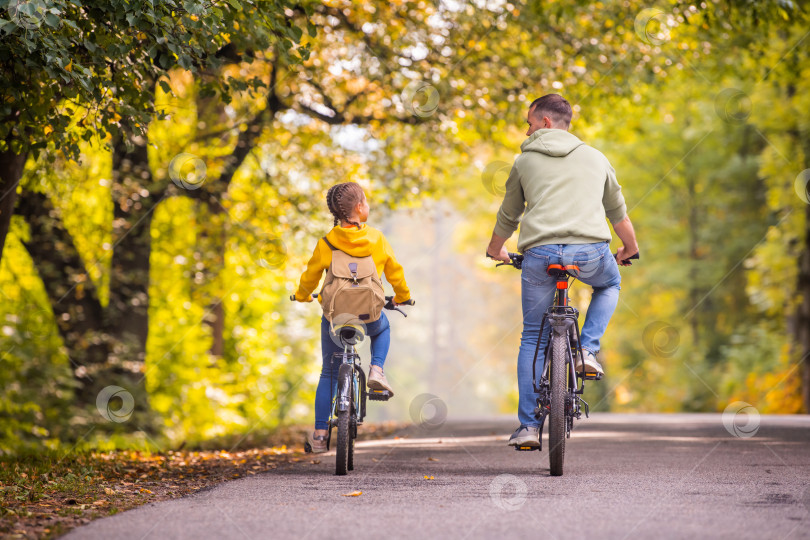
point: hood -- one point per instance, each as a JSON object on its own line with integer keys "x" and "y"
{"x": 357, "y": 243}
{"x": 552, "y": 142}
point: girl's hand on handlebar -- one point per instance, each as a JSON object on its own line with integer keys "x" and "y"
{"x": 309, "y": 298}
{"x": 390, "y": 304}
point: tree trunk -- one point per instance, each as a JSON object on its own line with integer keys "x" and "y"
{"x": 693, "y": 227}
{"x": 11, "y": 169}
{"x": 133, "y": 204}
{"x": 210, "y": 249}
{"x": 802, "y": 335}
{"x": 72, "y": 294}
{"x": 106, "y": 346}
{"x": 213, "y": 236}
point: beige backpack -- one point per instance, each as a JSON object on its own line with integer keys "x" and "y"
{"x": 352, "y": 289}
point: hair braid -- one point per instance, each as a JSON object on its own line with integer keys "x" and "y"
{"x": 330, "y": 203}
{"x": 341, "y": 199}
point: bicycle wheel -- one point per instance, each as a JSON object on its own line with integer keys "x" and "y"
{"x": 556, "y": 428}
{"x": 344, "y": 437}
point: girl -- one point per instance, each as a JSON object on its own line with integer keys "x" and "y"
{"x": 349, "y": 206}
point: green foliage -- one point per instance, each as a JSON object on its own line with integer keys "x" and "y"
{"x": 59, "y": 56}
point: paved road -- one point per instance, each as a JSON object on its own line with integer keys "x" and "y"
{"x": 626, "y": 476}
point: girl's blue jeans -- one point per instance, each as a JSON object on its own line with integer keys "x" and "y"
{"x": 380, "y": 333}
{"x": 598, "y": 269}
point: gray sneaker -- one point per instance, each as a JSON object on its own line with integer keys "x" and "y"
{"x": 591, "y": 364}
{"x": 525, "y": 436}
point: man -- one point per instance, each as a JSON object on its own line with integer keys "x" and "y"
{"x": 565, "y": 188}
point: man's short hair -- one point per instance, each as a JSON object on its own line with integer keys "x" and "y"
{"x": 555, "y": 107}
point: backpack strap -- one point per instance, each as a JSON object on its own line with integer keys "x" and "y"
{"x": 328, "y": 243}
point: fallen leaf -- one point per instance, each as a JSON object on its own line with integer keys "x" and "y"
{"x": 353, "y": 494}
{"x": 144, "y": 490}
{"x": 109, "y": 491}
{"x": 428, "y": 477}
{"x": 315, "y": 461}
{"x": 432, "y": 459}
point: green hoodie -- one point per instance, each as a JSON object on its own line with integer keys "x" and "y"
{"x": 566, "y": 189}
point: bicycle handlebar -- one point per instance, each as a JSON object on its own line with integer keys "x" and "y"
{"x": 389, "y": 302}
{"x": 516, "y": 261}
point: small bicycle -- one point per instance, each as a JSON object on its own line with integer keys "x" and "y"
{"x": 349, "y": 403}
{"x": 561, "y": 385}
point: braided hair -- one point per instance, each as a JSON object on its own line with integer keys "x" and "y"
{"x": 341, "y": 200}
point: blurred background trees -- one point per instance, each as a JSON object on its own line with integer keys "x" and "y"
{"x": 167, "y": 200}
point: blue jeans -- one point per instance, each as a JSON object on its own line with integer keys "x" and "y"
{"x": 380, "y": 333}
{"x": 598, "y": 269}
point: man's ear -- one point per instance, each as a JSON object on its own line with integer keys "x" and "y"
{"x": 547, "y": 123}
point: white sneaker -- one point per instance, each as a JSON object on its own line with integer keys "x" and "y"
{"x": 525, "y": 436}
{"x": 377, "y": 380}
{"x": 591, "y": 364}
{"x": 317, "y": 444}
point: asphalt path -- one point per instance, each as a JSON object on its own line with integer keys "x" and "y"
{"x": 626, "y": 476}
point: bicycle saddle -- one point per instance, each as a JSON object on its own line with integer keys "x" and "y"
{"x": 558, "y": 270}
{"x": 349, "y": 335}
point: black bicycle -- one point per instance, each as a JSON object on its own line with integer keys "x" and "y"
{"x": 561, "y": 385}
{"x": 349, "y": 403}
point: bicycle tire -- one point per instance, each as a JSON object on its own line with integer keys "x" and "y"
{"x": 556, "y": 427}
{"x": 352, "y": 435}
{"x": 344, "y": 437}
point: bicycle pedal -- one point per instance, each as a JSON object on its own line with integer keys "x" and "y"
{"x": 378, "y": 395}
{"x": 527, "y": 448}
{"x": 591, "y": 377}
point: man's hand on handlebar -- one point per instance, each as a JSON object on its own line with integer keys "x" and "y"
{"x": 503, "y": 256}
{"x": 515, "y": 260}
{"x": 623, "y": 256}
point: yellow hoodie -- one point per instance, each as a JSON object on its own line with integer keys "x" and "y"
{"x": 357, "y": 243}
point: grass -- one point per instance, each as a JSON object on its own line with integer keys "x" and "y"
{"x": 46, "y": 494}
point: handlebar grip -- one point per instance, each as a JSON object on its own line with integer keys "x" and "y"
{"x": 314, "y": 295}
{"x": 628, "y": 259}
{"x": 406, "y": 303}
